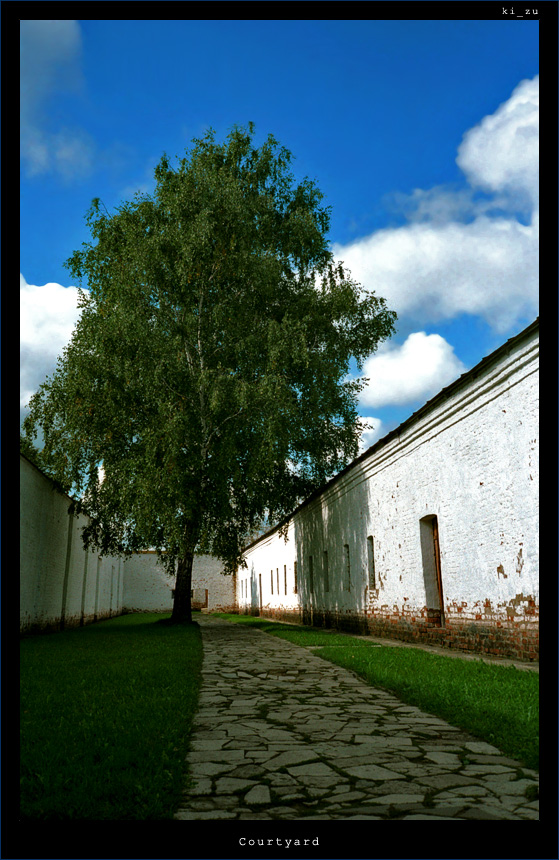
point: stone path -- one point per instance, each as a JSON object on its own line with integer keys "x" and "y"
{"x": 282, "y": 734}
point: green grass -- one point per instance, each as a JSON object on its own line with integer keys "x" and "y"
{"x": 296, "y": 633}
{"x": 498, "y": 704}
{"x": 106, "y": 712}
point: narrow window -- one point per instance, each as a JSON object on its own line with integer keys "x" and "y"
{"x": 277, "y": 576}
{"x": 432, "y": 578}
{"x": 371, "y": 561}
{"x": 311, "y": 575}
{"x": 326, "y": 575}
{"x": 295, "y": 577}
{"x": 272, "y": 580}
{"x": 347, "y": 567}
{"x": 285, "y": 577}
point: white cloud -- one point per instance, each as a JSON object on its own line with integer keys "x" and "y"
{"x": 432, "y": 272}
{"x": 48, "y": 316}
{"x": 51, "y": 64}
{"x": 454, "y": 256}
{"x": 375, "y": 431}
{"x": 501, "y": 154}
{"x": 416, "y": 370}
{"x": 69, "y": 152}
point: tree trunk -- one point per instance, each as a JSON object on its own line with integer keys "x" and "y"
{"x": 182, "y": 607}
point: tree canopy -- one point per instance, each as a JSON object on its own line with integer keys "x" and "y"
{"x": 209, "y": 371}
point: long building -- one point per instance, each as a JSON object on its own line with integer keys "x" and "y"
{"x": 432, "y": 533}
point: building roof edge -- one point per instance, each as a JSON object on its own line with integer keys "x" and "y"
{"x": 415, "y": 416}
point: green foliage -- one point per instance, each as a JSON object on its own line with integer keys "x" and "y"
{"x": 29, "y": 450}
{"x": 208, "y": 371}
{"x": 106, "y": 713}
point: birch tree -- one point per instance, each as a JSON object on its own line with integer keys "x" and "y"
{"x": 208, "y": 374}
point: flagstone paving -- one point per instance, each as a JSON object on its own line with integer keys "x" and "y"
{"x": 282, "y": 734}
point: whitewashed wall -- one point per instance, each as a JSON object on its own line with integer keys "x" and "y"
{"x": 470, "y": 458}
{"x": 212, "y": 589}
{"x": 62, "y": 585}
{"x": 148, "y": 588}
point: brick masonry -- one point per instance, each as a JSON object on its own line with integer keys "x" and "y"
{"x": 461, "y": 475}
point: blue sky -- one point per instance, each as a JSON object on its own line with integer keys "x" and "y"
{"x": 422, "y": 135}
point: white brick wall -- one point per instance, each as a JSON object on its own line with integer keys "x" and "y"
{"x": 148, "y": 588}
{"x": 207, "y": 575}
{"x": 469, "y": 458}
{"x": 61, "y": 583}
{"x": 55, "y": 581}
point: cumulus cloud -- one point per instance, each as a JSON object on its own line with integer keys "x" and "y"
{"x": 48, "y": 316}
{"x": 462, "y": 254}
{"x": 372, "y": 430}
{"x": 50, "y": 64}
{"x": 501, "y": 154}
{"x": 433, "y": 272}
{"x": 416, "y": 370}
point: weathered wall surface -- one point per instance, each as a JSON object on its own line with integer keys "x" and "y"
{"x": 462, "y": 475}
{"x": 62, "y": 585}
{"x": 148, "y": 588}
{"x": 211, "y": 589}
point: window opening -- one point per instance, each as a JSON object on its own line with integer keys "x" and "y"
{"x": 432, "y": 576}
{"x": 326, "y": 574}
{"x": 295, "y": 577}
{"x": 311, "y": 575}
{"x": 371, "y": 561}
{"x": 347, "y": 567}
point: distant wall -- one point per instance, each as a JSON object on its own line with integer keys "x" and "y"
{"x": 147, "y": 587}
{"x": 211, "y": 587}
{"x": 62, "y": 585}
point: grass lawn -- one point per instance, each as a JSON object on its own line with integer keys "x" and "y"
{"x": 499, "y": 704}
{"x": 106, "y": 712}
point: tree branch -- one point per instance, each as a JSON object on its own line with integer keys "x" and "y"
{"x": 219, "y": 426}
